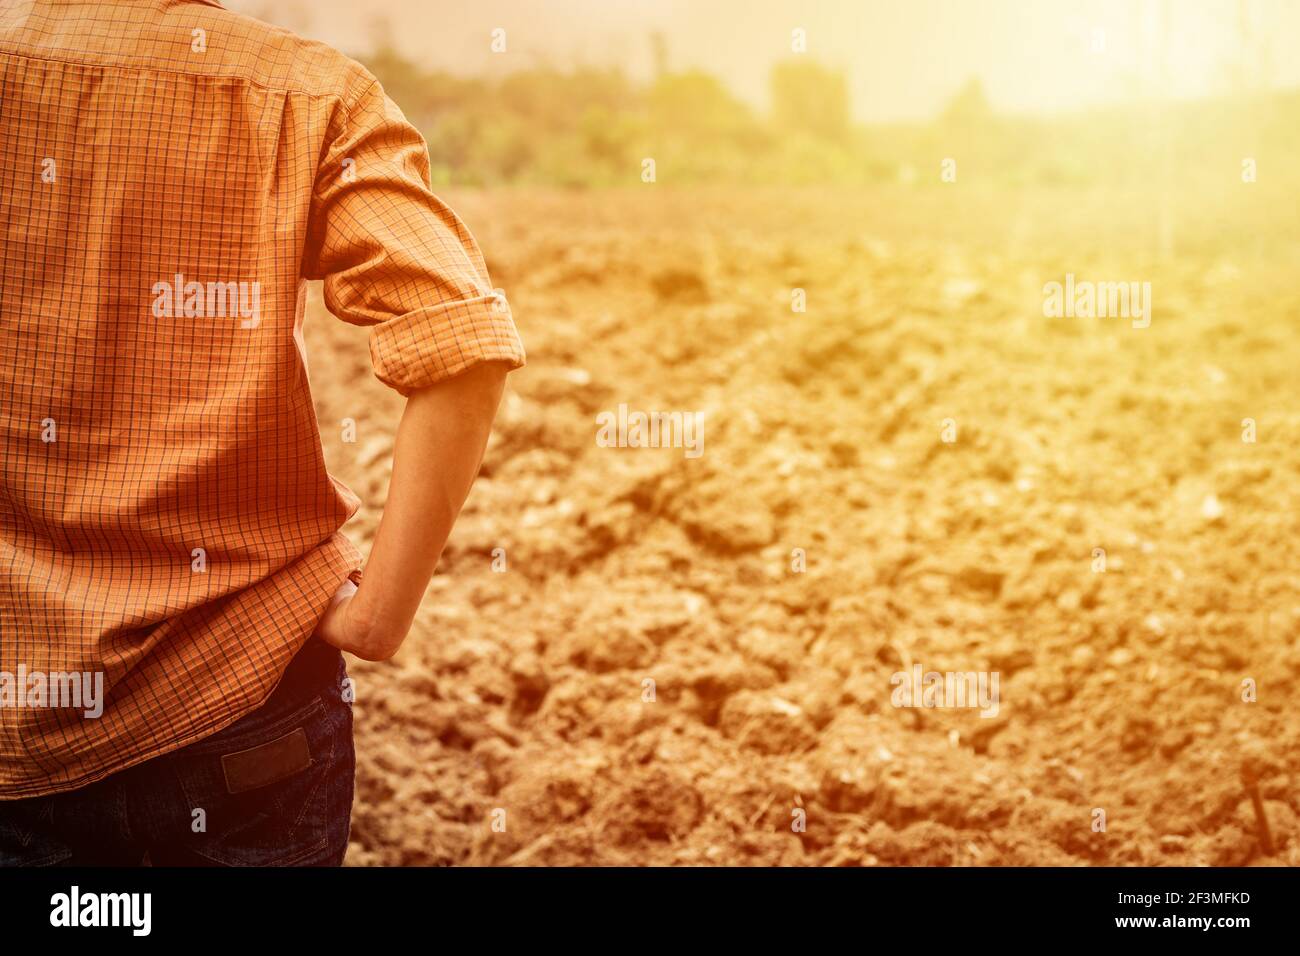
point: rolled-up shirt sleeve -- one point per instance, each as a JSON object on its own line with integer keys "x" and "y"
{"x": 395, "y": 257}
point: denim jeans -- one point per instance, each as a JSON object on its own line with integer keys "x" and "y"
{"x": 272, "y": 789}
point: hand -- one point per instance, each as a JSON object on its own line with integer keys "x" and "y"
{"x": 340, "y": 627}
{"x": 439, "y": 448}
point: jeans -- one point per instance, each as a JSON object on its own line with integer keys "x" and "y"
{"x": 272, "y": 789}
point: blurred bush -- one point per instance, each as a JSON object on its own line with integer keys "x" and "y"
{"x": 592, "y": 127}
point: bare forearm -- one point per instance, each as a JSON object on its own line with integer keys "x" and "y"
{"x": 440, "y": 443}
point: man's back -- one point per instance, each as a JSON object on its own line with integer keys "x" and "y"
{"x": 169, "y": 174}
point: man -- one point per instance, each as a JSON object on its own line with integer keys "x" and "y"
{"x": 174, "y": 587}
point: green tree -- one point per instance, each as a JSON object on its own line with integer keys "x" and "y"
{"x": 810, "y": 98}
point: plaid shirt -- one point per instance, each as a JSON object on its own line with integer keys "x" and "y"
{"x": 171, "y": 174}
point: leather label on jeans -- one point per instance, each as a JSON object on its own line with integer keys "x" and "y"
{"x": 267, "y": 763}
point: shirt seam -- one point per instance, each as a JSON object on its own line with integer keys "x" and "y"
{"x": 237, "y": 78}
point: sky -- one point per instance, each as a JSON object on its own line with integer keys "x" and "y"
{"x": 904, "y": 59}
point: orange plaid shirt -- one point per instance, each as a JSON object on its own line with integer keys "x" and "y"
{"x": 171, "y": 174}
